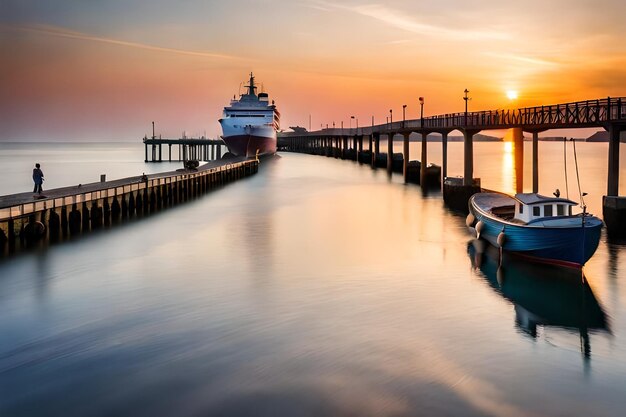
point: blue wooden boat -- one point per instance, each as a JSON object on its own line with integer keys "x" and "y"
{"x": 535, "y": 226}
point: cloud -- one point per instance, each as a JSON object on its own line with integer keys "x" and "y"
{"x": 65, "y": 33}
{"x": 400, "y": 20}
{"x": 524, "y": 59}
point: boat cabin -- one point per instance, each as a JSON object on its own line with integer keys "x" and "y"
{"x": 533, "y": 206}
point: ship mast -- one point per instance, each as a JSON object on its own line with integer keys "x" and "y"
{"x": 251, "y": 86}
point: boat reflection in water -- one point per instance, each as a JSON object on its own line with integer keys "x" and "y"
{"x": 543, "y": 295}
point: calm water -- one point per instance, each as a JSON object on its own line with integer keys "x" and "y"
{"x": 316, "y": 287}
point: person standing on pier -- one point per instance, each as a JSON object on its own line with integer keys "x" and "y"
{"x": 37, "y": 178}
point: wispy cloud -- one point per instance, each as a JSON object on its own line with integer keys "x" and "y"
{"x": 65, "y": 33}
{"x": 524, "y": 59}
{"x": 400, "y": 20}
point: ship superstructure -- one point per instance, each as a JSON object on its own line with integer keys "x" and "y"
{"x": 249, "y": 124}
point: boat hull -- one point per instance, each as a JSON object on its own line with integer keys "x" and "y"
{"x": 569, "y": 242}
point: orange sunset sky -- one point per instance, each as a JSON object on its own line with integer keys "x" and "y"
{"x": 103, "y": 70}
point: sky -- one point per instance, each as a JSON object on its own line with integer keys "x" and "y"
{"x": 87, "y": 70}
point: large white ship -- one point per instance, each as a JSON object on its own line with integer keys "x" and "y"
{"x": 249, "y": 125}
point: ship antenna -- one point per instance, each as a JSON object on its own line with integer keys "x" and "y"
{"x": 582, "y": 195}
{"x": 251, "y": 86}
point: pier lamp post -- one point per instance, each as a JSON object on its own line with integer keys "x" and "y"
{"x": 421, "y": 111}
{"x": 351, "y": 117}
{"x": 153, "y": 131}
{"x": 403, "y": 114}
{"x": 466, "y": 98}
{"x": 390, "y": 118}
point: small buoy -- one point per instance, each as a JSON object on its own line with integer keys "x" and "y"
{"x": 479, "y": 228}
{"x": 469, "y": 220}
{"x": 501, "y": 239}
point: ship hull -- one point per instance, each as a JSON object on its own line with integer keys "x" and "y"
{"x": 249, "y": 145}
{"x": 246, "y": 140}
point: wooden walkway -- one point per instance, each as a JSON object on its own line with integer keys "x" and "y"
{"x": 26, "y": 218}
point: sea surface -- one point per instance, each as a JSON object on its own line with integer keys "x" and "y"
{"x": 317, "y": 287}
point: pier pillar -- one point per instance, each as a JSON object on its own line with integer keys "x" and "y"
{"x": 405, "y": 157}
{"x": 74, "y": 220}
{"x": 219, "y": 151}
{"x": 424, "y": 160}
{"x": 106, "y": 211}
{"x": 344, "y": 150}
{"x": 444, "y": 157}
{"x": 170, "y": 152}
{"x": 468, "y": 156}
{"x": 613, "y": 174}
{"x": 64, "y": 221}
{"x": 535, "y": 162}
{"x": 96, "y": 215}
{"x": 390, "y": 153}
{"x": 518, "y": 146}
{"x": 131, "y": 204}
{"x": 160, "y": 152}
{"x": 145, "y": 145}
{"x": 11, "y": 235}
{"x": 54, "y": 226}
{"x": 86, "y": 217}
{"x": 376, "y": 149}
{"x": 359, "y": 148}
{"x": 613, "y": 206}
{"x": 116, "y": 210}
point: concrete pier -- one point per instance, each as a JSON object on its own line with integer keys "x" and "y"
{"x": 64, "y": 212}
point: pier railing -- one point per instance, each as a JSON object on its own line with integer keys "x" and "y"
{"x": 589, "y": 113}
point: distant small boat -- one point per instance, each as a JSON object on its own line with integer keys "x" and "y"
{"x": 535, "y": 226}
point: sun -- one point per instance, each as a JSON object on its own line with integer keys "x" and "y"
{"x": 511, "y": 94}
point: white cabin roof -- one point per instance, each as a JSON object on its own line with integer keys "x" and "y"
{"x": 534, "y": 198}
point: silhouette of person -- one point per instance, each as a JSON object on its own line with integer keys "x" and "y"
{"x": 38, "y": 179}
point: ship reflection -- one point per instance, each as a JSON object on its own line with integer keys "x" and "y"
{"x": 543, "y": 295}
